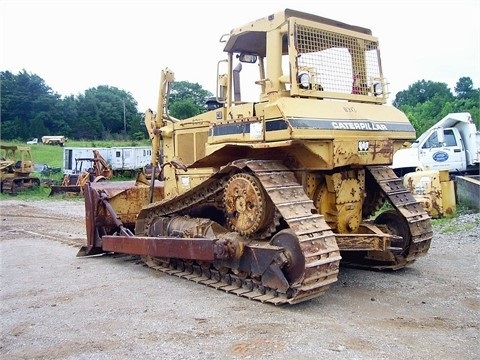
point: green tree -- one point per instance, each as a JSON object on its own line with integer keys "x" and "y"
{"x": 422, "y": 91}
{"x": 29, "y": 108}
{"x": 187, "y": 99}
{"x": 464, "y": 88}
{"x": 184, "y": 109}
{"x": 87, "y": 124}
{"x": 104, "y": 111}
{"x": 423, "y": 111}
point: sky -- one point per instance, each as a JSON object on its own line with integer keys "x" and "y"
{"x": 77, "y": 45}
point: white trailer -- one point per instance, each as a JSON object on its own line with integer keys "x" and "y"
{"x": 130, "y": 158}
{"x": 120, "y": 159}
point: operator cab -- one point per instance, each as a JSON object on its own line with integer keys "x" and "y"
{"x": 302, "y": 55}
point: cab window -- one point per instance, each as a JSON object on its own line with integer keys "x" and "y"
{"x": 450, "y": 138}
{"x": 432, "y": 141}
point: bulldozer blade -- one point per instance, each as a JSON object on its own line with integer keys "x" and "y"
{"x": 65, "y": 190}
{"x": 89, "y": 251}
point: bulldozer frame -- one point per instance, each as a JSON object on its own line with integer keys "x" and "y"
{"x": 16, "y": 167}
{"x": 265, "y": 199}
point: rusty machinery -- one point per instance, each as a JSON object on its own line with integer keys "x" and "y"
{"x": 16, "y": 167}
{"x": 94, "y": 169}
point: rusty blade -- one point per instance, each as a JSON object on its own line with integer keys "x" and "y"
{"x": 185, "y": 248}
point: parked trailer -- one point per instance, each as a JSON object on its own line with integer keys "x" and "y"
{"x": 54, "y": 140}
{"x": 130, "y": 158}
{"x": 120, "y": 159}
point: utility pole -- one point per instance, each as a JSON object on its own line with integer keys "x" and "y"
{"x": 124, "y": 118}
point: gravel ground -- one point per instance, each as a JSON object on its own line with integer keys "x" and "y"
{"x": 57, "y": 306}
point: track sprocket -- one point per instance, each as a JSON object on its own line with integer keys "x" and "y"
{"x": 247, "y": 207}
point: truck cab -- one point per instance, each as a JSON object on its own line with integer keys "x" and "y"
{"x": 451, "y": 144}
{"x": 443, "y": 150}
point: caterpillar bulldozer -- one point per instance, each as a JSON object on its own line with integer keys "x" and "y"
{"x": 16, "y": 167}
{"x": 266, "y": 199}
{"x": 87, "y": 170}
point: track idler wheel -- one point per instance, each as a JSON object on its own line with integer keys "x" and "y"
{"x": 396, "y": 225}
{"x": 295, "y": 267}
{"x": 247, "y": 207}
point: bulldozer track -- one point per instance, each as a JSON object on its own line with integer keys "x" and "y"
{"x": 415, "y": 215}
{"x": 316, "y": 240}
{"x": 12, "y": 186}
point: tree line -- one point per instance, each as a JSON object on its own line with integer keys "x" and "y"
{"x": 30, "y": 108}
{"x": 426, "y": 102}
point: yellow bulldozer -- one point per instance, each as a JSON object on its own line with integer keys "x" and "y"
{"x": 16, "y": 167}
{"x": 266, "y": 198}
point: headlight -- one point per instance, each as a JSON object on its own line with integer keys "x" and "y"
{"x": 304, "y": 80}
{"x": 377, "y": 89}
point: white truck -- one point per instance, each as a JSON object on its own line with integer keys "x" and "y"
{"x": 451, "y": 144}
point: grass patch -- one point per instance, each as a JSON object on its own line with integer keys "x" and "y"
{"x": 41, "y": 192}
{"x": 450, "y": 226}
{"x": 454, "y": 227}
{"x": 37, "y": 193}
{"x": 107, "y": 143}
{"x": 47, "y": 154}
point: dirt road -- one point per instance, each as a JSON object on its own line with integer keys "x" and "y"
{"x": 57, "y": 306}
